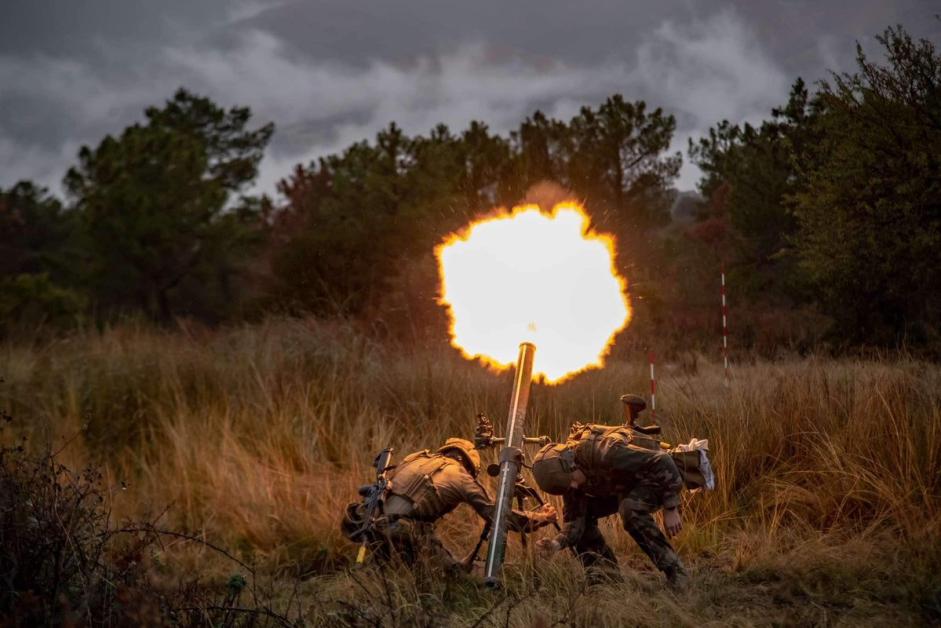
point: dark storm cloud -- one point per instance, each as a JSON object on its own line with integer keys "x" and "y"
{"x": 79, "y": 28}
{"x": 329, "y": 73}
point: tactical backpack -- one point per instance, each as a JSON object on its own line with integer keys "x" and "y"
{"x": 596, "y": 447}
{"x": 606, "y": 435}
{"x": 692, "y": 463}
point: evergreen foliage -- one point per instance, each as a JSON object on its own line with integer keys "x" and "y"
{"x": 351, "y": 222}
{"x": 39, "y": 250}
{"x": 837, "y": 199}
{"x": 155, "y": 204}
{"x": 868, "y": 202}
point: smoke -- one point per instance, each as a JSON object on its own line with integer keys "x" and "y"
{"x": 547, "y": 194}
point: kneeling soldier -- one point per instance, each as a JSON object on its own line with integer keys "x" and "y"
{"x": 424, "y": 487}
{"x": 601, "y": 470}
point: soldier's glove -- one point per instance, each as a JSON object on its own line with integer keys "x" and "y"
{"x": 545, "y": 514}
{"x": 467, "y": 565}
{"x": 548, "y": 546}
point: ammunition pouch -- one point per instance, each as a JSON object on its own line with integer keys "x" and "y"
{"x": 398, "y": 506}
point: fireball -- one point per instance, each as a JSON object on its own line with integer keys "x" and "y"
{"x": 535, "y": 276}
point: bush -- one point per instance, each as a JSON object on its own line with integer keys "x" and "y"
{"x": 62, "y": 562}
{"x": 59, "y": 560}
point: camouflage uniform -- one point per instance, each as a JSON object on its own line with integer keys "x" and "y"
{"x": 423, "y": 488}
{"x": 623, "y": 477}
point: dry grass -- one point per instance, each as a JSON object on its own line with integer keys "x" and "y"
{"x": 827, "y": 508}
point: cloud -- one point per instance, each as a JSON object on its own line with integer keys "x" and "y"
{"x": 711, "y": 69}
{"x": 246, "y": 10}
{"x": 451, "y": 88}
{"x": 701, "y": 70}
{"x": 355, "y": 102}
{"x": 707, "y": 71}
{"x": 51, "y": 106}
{"x": 20, "y": 161}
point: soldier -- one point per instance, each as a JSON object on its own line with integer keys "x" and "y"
{"x": 602, "y": 470}
{"x": 424, "y": 487}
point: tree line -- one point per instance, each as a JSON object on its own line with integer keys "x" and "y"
{"x": 827, "y": 216}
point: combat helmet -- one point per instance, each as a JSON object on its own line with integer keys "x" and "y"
{"x": 553, "y": 466}
{"x": 353, "y": 523}
{"x": 636, "y": 402}
{"x": 470, "y": 456}
{"x": 633, "y": 406}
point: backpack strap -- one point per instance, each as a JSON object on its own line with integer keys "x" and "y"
{"x": 424, "y": 453}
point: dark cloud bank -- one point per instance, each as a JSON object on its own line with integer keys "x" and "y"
{"x": 330, "y": 73}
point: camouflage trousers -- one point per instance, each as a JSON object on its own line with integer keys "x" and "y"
{"x": 647, "y": 534}
{"x": 413, "y": 543}
{"x": 599, "y": 561}
{"x": 636, "y": 510}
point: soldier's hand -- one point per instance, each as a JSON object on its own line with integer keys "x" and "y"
{"x": 548, "y": 546}
{"x": 467, "y": 564}
{"x": 546, "y": 514}
{"x": 672, "y": 521}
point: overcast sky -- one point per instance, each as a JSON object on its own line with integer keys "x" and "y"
{"x": 329, "y": 73}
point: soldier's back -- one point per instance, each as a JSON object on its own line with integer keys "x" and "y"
{"x": 423, "y": 486}
{"x": 613, "y": 456}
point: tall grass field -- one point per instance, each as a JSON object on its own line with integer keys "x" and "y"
{"x": 827, "y": 509}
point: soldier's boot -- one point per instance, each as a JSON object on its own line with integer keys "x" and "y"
{"x": 597, "y": 557}
{"x": 677, "y": 577}
{"x": 603, "y": 572}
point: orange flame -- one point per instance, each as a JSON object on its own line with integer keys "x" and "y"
{"x": 529, "y": 275}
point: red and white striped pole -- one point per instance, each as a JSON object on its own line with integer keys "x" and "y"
{"x": 725, "y": 330}
{"x": 653, "y": 386}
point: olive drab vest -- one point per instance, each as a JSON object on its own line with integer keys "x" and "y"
{"x": 411, "y": 491}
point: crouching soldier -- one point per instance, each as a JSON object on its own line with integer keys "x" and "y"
{"x": 424, "y": 487}
{"x": 602, "y": 470}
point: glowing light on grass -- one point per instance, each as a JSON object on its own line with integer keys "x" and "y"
{"x": 529, "y": 275}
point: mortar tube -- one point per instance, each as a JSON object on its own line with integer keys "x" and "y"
{"x": 509, "y": 463}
